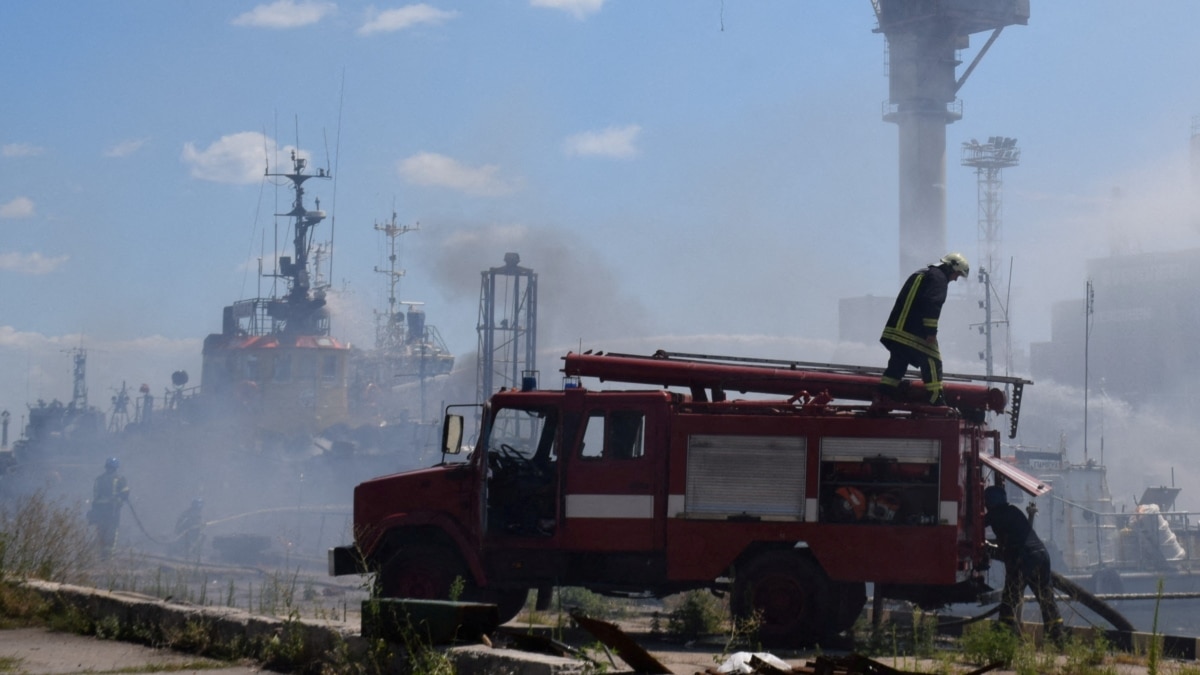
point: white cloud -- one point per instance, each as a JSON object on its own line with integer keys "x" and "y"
{"x": 126, "y": 148}
{"x": 285, "y": 14}
{"x": 237, "y": 158}
{"x": 437, "y": 170}
{"x": 22, "y": 150}
{"x": 391, "y": 20}
{"x": 34, "y": 264}
{"x": 579, "y": 8}
{"x": 20, "y": 207}
{"x": 616, "y": 142}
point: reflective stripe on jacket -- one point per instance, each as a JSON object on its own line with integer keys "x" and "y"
{"x": 915, "y": 315}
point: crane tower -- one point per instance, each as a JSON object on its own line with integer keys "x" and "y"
{"x": 923, "y": 38}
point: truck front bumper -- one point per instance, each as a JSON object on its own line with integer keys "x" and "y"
{"x": 345, "y": 560}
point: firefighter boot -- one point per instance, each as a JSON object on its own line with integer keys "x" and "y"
{"x": 1056, "y": 633}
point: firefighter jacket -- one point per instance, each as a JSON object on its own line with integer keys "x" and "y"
{"x": 109, "y": 492}
{"x": 915, "y": 314}
{"x": 1014, "y": 535}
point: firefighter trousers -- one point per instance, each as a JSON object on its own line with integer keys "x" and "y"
{"x": 1032, "y": 569}
{"x": 903, "y": 356}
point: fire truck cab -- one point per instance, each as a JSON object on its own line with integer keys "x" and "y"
{"x": 790, "y": 504}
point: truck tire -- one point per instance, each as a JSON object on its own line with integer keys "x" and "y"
{"x": 509, "y": 601}
{"x": 422, "y": 572}
{"x": 427, "y": 571}
{"x": 789, "y": 596}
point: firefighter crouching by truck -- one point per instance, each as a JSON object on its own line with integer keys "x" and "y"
{"x": 1026, "y": 563}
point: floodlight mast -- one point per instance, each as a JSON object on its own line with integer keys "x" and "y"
{"x": 989, "y": 161}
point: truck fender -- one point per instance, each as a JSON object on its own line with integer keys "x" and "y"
{"x": 427, "y": 525}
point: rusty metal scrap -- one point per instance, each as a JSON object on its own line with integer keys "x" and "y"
{"x": 630, "y": 651}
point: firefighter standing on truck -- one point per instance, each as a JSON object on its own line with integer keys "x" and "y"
{"x": 109, "y": 494}
{"x": 911, "y": 331}
{"x": 1026, "y": 563}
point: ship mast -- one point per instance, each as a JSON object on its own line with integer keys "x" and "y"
{"x": 298, "y": 310}
{"x": 389, "y": 329}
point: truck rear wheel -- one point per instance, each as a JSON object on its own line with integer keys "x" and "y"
{"x": 788, "y": 595}
{"x": 422, "y": 572}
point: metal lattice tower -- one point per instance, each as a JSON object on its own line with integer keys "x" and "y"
{"x": 507, "y": 327}
{"x": 923, "y": 39}
{"x": 989, "y": 161}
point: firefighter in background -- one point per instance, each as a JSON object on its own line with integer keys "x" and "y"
{"x": 1026, "y": 563}
{"x": 109, "y": 494}
{"x": 189, "y": 529}
{"x": 910, "y": 335}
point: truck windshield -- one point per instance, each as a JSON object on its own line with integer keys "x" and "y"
{"x": 524, "y": 433}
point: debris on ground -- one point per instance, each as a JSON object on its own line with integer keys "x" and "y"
{"x": 854, "y": 664}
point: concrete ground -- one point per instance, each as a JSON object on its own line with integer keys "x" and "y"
{"x": 39, "y": 651}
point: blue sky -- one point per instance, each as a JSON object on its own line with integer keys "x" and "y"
{"x": 670, "y": 168}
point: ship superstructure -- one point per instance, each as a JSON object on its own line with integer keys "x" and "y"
{"x": 274, "y": 359}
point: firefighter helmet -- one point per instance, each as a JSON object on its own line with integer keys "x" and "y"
{"x": 994, "y": 496}
{"x": 111, "y": 464}
{"x": 957, "y": 263}
{"x": 883, "y": 507}
{"x": 851, "y": 504}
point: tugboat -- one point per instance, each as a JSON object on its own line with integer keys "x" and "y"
{"x": 274, "y": 360}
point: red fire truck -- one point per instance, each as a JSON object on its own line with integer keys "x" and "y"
{"x": 791, "y": 500}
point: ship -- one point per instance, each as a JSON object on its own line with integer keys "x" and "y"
{"x": 275, "y": 361}
{"x": 388, "y": 383}
{"x": 286, "y": 417}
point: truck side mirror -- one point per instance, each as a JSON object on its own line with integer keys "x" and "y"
{"x": 452, "y": 432}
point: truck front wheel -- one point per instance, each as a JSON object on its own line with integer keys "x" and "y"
{"x": 422, "y": 572}
{"x": 787, "y": 595}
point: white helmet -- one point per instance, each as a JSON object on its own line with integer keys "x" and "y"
{"x": 957, "y": 263}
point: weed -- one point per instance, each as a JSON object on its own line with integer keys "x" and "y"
{"x": 743, "y": 634}
{"x": 286, "y": 650}
{"x": 108, "y": 628}
{"x": 1155, "y": 649}
{"x": 698, "y": 613}
{"x": 591, "y": 604}
{"x": 1083, "y": 657}
{"x": 987, "y": 643}
{"x": 19, "y": 606}
{"x": 67, "y": 618}
{"x": 44, "y": 540}
{"x": 10, "y": 664}
{"x": 194, "y": 636}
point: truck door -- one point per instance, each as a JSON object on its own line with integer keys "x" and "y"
{"x": 613, "y": 476}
